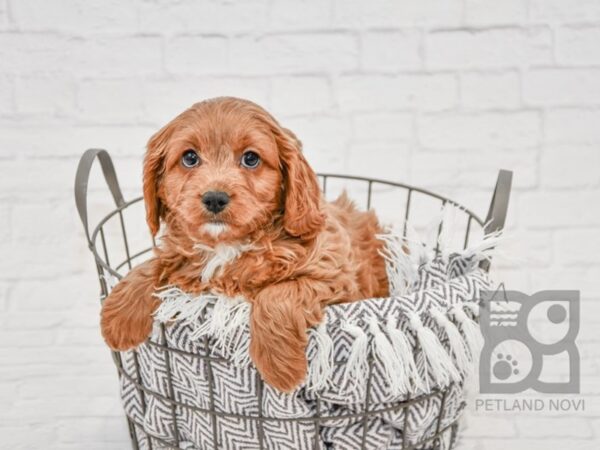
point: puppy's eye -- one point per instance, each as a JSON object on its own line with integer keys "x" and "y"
{"x": 190, "y": 159}
{"x": 250, "y": 160}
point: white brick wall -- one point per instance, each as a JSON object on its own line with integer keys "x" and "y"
{"x": 436, "y": 93}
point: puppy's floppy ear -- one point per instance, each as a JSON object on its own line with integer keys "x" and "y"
{"x": 153, "y": 167}
{"x": 302, "y": 197}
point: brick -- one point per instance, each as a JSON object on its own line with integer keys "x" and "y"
{"x": 525, "y": 248}
{"x": 448, "y": 168}
{"x": 485, "y": 426}
{"x": 66, "y": 293}
{"x": 112, "y": 101}
{"x": 390, "y": 51}
{"x": 122, "y": 56}
{"x": 571, "y": 126}
{"x": 4, "y": 289}
{"x": 121, "y": 140}
{"x": 106, "y": 56}
{"x": 482, "y": 131}
{"x": 3, "y": 14}
{"x": 382, "y": 127}
{"x": 288, "y": 15}
{"x": 5, "y": 219}
{"x": 86, "y": 429}
{"x": 324, "y": 139}
{"x": 560, "y": 12}
{"x": 300, "y": 95}
{"x": 166, "y": 98}
{"x": 364, "y": 159}
{"x": 389, "y": 13}
{"x": 59, "y": 219}
{"x": 59, "y": 386}
{"x": 583, "y": 279}
{"x": 32, "y": 53}
{"x": 578, "y": 46}
{"x": 375, "y": 93}
{"x": 20, "y": 437}
{"x": 577, "y": 246}
{"x": 550, "y": 87}
{"x": 490, "y": 12}
{"x": 189, "y": 16}
{"x": 553, "y": 427}
{"x": 294, "y": 53}
{"x": 488, "y": 48}
{"x": 556, "y": 209}
{"x": 490, "y": 90}
{"x": 538, "y": 444}
{"x": 197, "y": 55}
{"x": 72, "y": 16}
{"x": 45, "y": 95}
{"x": 558, "y": 162}
{"x": 6, "y": 95}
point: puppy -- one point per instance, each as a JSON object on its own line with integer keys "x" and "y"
{"x": 244, "y": 216}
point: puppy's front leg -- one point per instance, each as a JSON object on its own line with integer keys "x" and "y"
{"x": 281, "y": 315}
{"x": 126, "y": 317}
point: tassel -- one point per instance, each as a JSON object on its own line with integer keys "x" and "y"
{"x": 462, "y": 358}
{"x": 356, "y": 367}
{"x": 435, "y": 355}
{"x": 470, "y": 329}
{"x": 406, "y": 357}
{"x": 320, "y": 368}
{"x": 393, "y": 368}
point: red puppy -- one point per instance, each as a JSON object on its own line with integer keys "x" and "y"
{"x": 224, "y": 175}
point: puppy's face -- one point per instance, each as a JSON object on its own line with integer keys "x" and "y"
{"x": 224, "y": 169}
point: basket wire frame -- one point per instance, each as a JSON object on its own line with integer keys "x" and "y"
{"x": 97, "y": 242}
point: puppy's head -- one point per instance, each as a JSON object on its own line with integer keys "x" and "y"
{"x": 224, "y": 169}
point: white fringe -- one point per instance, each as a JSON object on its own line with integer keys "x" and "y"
{"x": 470, "y": 330}
{"x": 225, "y": 322}
{"x": 401, "y": 271}
{"x": 356, "y": 367}
{"x": 406, "y": 355}
{"x": 462, "y": 358}
{"x": 320, "y": 369}
{"x": 482, "y": 249}
{"x": 178, "y": 305}
{"x": 438, "y": 365}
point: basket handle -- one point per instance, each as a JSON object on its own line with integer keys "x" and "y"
{"x": 82, "y": 178}
{"x": 496, "y": 216}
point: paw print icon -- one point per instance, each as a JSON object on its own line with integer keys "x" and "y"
{"x": 529, "y": 342}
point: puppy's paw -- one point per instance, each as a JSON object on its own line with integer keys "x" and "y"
{"x": 122, "y": 328}
{"x": 280, "y": 365}
{"x": 278, "y": 338}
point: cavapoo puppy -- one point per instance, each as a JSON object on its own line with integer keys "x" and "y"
{"x": 244, "y": 216}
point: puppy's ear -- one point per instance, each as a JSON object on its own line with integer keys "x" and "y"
{"x": 302, "y": 197}
{"x": 153, "y": 168}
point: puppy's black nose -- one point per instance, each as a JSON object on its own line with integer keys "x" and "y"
{"x": 215, "y": 201}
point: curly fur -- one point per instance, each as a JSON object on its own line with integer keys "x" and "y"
{"x": 283, "y": 248}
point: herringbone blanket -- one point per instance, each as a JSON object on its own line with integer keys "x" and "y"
{"x": 418, "y": 345}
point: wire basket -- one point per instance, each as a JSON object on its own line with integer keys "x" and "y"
{"x": 401, "y": 202}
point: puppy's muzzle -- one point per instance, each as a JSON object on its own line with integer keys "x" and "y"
{"x": 215, "y": 201}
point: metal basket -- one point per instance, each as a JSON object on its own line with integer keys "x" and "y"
{"x": 107, "y": 267}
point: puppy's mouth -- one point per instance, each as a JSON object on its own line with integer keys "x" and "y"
{"x": 215, "y": 227}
